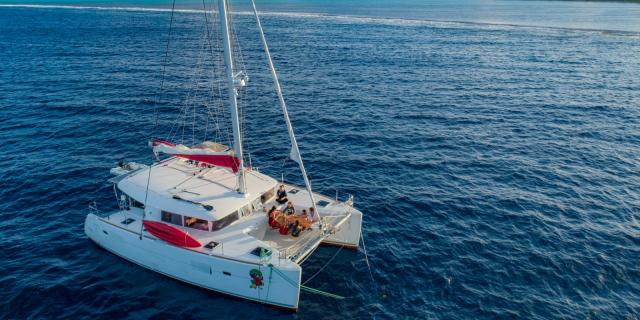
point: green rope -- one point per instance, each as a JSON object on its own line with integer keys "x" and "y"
{"x": 316, "y": 291}
{"x": 270, "y": 277}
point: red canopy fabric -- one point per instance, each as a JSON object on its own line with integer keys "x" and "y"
{"x": 222, "y": 159}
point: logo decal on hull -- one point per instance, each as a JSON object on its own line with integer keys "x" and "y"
{"x": 256, "y": 278}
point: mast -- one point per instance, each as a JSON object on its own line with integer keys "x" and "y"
{"x": 233, "y": 101}
{"x": 295, "y": 151}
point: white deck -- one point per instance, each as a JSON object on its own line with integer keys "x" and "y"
{"x": 213, "y": 186}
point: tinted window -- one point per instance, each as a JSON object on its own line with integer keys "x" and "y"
{"x": 219, "y": 224}
{"x": 171, "y": 218}
{"x": 136, "y": 204}
{"x": 196, "y": 223}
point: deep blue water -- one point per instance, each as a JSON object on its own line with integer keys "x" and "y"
{"x": 498, "y": 167}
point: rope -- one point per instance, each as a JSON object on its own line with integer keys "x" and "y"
{"x": 164, "y": 67}
{"x": 328, "y": 262}
{"x": 305, "y": 288}
{"x": 366, "y": 257}
{"x": 155, "y": 111}
{"x": 382, "y": 289}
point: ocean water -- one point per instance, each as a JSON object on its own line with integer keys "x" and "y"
{"x": 497, "y": 164}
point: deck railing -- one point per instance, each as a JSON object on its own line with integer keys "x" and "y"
{"x": 310, "y": 239}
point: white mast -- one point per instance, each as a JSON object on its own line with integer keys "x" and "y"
{"x": 295, "y": 151}
{"x": 233, "y": 101}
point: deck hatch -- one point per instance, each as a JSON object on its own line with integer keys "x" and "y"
{"x": 322, "y": 203}
{"x": 211, "y": 245}
{"x": 261, "y": 252}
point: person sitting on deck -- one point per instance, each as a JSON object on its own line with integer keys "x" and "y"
{"x": 279, "y": 218}
{"x": 284, "y": 230}
{"x": 272, "y": 218}
{"x": 282, "y": 195}
{"x": 296, "y": 229}
{"x": 289, "y": 210}
{"x": 303, "y": 214}
{"x": 292, "y": 226}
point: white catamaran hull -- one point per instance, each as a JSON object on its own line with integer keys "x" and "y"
{"x": 221, "y": 274}
{"x": 348, "y": 234}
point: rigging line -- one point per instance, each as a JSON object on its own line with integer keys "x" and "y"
{"x": 303, "y": 287}
{"x": 198, "y": 80}
{"x": 295, "y": 150}
{"x": 210, "y": 47}
{"x": 215, "y": 107}
{"x": 217, "y": 60}
{"x": 206, "y": 123}
{"x": 189, "y": 97}
{"x": 193, "y": 92}
{"x": 326, "y": 264}
{"x": 190, "y": 100}
{"x": 366, "y": 257}
{"x": 155, "y": 111}
{"x": 322, "y": 293}
{"x": 146, "y": 196}
{"x": 239, "y": 66}
{"x": 164, "y": 67}
{"x": 242, "y": 93}
{"x": 193, "y": 126}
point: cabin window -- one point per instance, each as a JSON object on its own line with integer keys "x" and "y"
{"x": 135, "y": 204}
{"x": 196, "y": 223}
{"x": 126, "y": 202}
{"x": 172, "y": 218}
{"x": 268, "y": 195}
{"x": 219, "y": 224}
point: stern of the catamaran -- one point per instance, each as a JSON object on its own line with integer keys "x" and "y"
{"x": 345, "y": 225}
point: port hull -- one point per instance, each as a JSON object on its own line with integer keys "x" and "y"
{"x": 224, "y": 275}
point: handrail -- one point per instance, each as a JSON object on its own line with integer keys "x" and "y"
{"x": 314, "y": 238}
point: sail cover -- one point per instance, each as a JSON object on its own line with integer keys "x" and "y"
{"x": 207, "y": 152}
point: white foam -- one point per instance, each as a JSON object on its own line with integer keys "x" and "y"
{"x": 341, "y": 18}
{"x": 46, "y": 6}
{"x": 304, "y": 15}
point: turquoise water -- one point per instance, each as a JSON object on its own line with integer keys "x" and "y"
{"x": 495, "y": 158}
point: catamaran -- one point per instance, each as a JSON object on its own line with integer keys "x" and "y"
{"x": 200, "y": 215}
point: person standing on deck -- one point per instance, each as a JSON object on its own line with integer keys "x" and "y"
{"x": 313, "y": 216}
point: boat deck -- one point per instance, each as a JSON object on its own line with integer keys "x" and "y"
{"x": 240, "y": 238}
